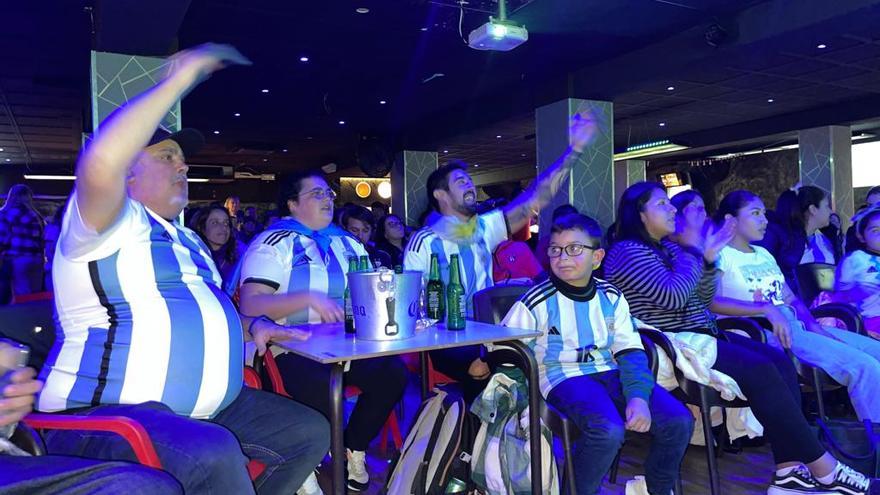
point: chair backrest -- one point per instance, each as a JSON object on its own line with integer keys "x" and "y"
{"x": 813, "y": 278}
{"x": 492, "y": 303}
{"x": 651, "y": 351}
{"x": 32, "y": 324}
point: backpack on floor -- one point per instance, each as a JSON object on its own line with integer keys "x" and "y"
{"x": 437, "y": 452}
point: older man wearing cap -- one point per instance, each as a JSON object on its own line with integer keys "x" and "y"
{"x": 145, "y": 329}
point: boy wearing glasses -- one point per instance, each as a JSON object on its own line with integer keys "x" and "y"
{"x": 592, "y": 365}
{"x": 295, "y": 273}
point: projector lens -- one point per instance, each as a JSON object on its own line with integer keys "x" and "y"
{"x": 499, "y": 31}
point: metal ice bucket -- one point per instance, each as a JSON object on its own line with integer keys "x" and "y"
{"x": 385, "y": 304}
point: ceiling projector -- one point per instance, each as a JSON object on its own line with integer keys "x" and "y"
{"x": 497, "y": 35}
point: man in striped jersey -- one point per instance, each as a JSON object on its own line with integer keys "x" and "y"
{"x": 295, "y": 273}
{"x": 591, "y": 363}
{"x": 453, "y": 227}
{"x": 146, "y": 331}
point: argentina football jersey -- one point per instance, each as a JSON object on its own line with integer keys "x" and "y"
{"x": 475, "y": 255}
{"x": 141, "y": 318}
{"x": 578, "y": 337}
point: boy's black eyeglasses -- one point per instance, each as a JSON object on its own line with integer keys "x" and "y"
{"x": 571, "y": 250}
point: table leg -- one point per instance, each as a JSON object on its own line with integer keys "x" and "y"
{"x": 528, "y": 359}
{"x": 337, "y": 449}
{"x": 423, "y": 364}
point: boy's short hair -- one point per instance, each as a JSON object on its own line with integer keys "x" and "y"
{"x": 578, "y": 221}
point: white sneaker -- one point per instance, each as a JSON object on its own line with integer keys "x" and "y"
{"x": 358, "y": 477}
{"x": 637, "y": 486}
{"x": 848, "y": 481}
{"x": 310, "y": 486}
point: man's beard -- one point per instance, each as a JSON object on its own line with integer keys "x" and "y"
{"x": 467, "y": 209}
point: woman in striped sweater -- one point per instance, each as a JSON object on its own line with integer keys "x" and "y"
{"x": 670, "y": 284}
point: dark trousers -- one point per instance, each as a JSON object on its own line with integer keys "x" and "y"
{"x": 50, "y": 474}
{"x": 596, "y": 404}
{"x": 381, "y": 380}
{"x": 209, "y": 456}
{"x": 769, "y": 381}
{"x": 455, "y": 363}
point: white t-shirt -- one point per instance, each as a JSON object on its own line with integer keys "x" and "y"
{"x": 753, "y": 277}
{"x": 862, "y": 268}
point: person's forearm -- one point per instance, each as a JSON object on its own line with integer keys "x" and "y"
{"x": 854, "y": 294}
{"x": 103, "y": 167}
{"x": 733, "y": 307}
{"x": 542, "y": 190}
{"x": 802, "y": 311}
{"x": 275, "y": 306}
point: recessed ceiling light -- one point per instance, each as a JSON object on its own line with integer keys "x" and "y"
{"x": 264, "y": 91}
{"x": 8, "y": 160}
{"x": 522, "y": 154}
{"x": 770, "y": 100}
{"x": 424, "y": 29}
{"x": 341, "y": 122}
{"x": 284, "y": 150}
{"x": 216, "y": 132}
{"x": 498, "y": 136}
{"x": 309, "y": 138}
{"x": 265, "y": 160}
{"x": 304, "y": 59}
{"x": 382, "y": 102}
{"x": 446, "y": 151}
{"x": 662, "y": 124}
{"x": 476, "y": 165}
{"x": 362, "y": 10}
{"x": 821, "y": 46}
{"x": 670, "y": 88}
{"x": 237, "y": 114}
{"x": 1, "y": 149}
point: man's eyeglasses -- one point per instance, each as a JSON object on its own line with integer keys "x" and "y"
{"x": 570, "y": 250}
{"x": 320, "y": 194}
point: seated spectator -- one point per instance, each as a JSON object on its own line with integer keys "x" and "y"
{"x": 144, "y": 328}
{"x": 670, "y": 285}
{"x": 592, "y": 365}
{"x": 360, "y": 223}
{"x": 214, "y": 226}
{"x": 379, "y": 210}
{"x": 794, "y": 237}
{"x": 852, "y": 242}
{"x": 752, "y": 284}
{"x": 50, "y": 235}
{"x": 21, "y": 475}
{"x": 544, "y": 241}
{"x": 295, "y": 273}
{"x": 515, "y": 261}
{"x": 390, "y": 234}
{"x": 858, "y": 276}
{"x": 21, "y": 241}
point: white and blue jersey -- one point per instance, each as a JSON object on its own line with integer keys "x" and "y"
{"x": 289, "y": 262}
{"x": 819, "y": 249}
{"x": 141, "y": 317}
{"x": 578, "y": 337}
{"x": 475, "y": 258}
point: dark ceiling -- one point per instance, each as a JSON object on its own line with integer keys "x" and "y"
{"x": 439, "y": 93}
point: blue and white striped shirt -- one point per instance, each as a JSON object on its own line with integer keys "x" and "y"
{"x": 288, "y": 262}
{"x": 578, "y": 337}
{"x": 475, "y": 258}
{"x": 141, "y": 317}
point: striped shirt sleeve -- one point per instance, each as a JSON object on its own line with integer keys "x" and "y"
{"x": 635, "y": 267}
{"x": 264, "y": 261}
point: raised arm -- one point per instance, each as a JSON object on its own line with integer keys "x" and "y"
{"x": 103, "y": 166}
{"x": 541, "y": 191}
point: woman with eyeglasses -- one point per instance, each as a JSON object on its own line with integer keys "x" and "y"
{"x": 295, "y": 273}
{"x": 670, "y": 285}
{"x": 390, "y": 235}
{"x": 214, "y": 226}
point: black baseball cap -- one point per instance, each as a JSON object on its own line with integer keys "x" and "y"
{"x": 190, "y": 140}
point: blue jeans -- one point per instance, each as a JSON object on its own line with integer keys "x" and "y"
{"x": 852, "y": 360}
{"x": 595, "y": 403}
{"x": 74, "y": 476}
{"x": 209, "y": 456}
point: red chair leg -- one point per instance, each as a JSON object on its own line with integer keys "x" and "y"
{"x": 391, "y": 429}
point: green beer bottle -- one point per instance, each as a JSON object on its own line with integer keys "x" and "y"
{"x": 398, "y": 269}
{"x": 434, "y": 294}
{"x": 455, "y": 298}
{"x": 364, "y": 265}
{"x": 349, "y": 309}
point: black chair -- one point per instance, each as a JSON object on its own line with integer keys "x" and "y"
{"x": 703, "y": 397}
{"x": 813, "y": 278}
{"x": 491, "y": 305}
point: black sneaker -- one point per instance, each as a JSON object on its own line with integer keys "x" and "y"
{"x": 848, "y": 481}
{"x": 798, "y": 480}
